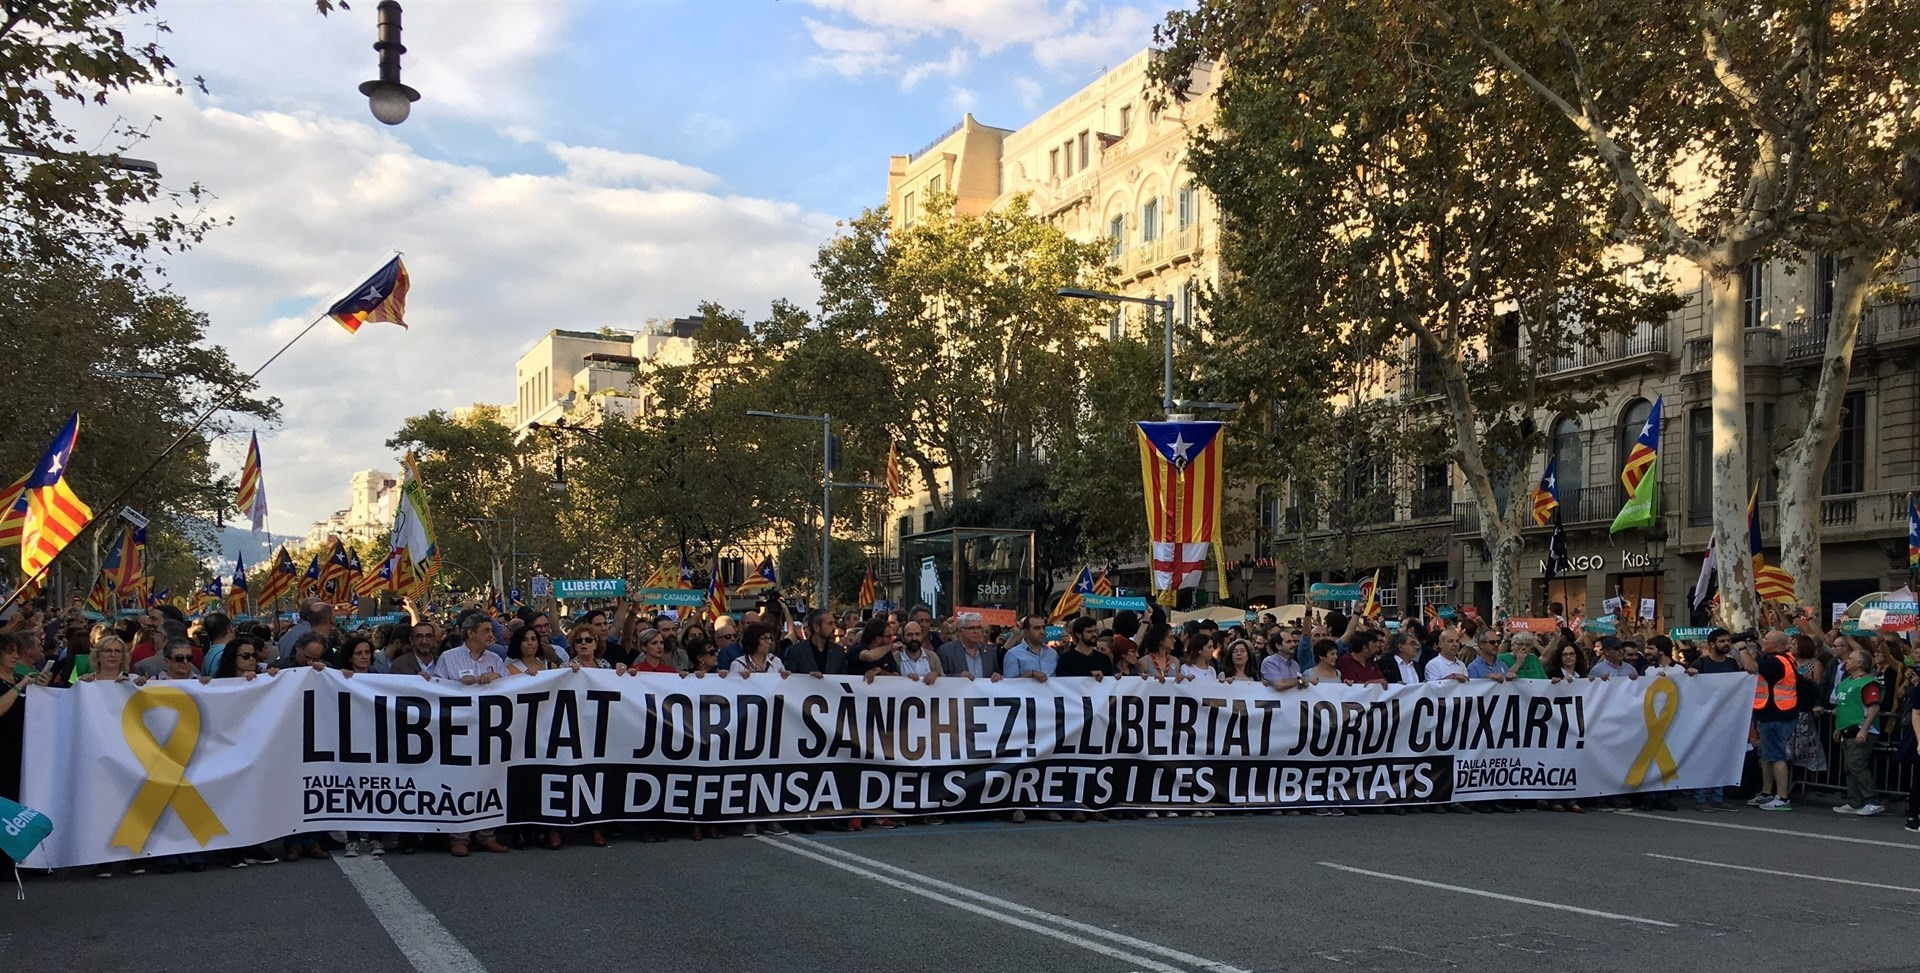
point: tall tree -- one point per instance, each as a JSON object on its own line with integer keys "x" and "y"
{"x": 1425, "y": 217}
{"x": 486, "y": 493}
{"x": 65, "y": 200}
{"x": 960, "y": 313}
{"x": 1711, "y": 120}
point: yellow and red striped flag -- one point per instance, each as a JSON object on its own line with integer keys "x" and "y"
{"x": 55, "y": 515}
{"x": 280, "y": 578}
{"x": 716, "y": 594}
{"x": 13, "y": 512}
{"x": 1180, "y": 467}
{"x": 1771, "y": 583}
{"x": 869, "y": 590}
{"x": 382, "y": 298}
{"x": 237, "y": 588}
{"x": 1546, "y": 496}
{"x": 252, "y": 499}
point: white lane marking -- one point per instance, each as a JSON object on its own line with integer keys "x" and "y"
{"x": 1770, "y": 871}
{"x": 422, "y": 939}
{"x": 1785, "y": 831}
{"x": 1497, "y": 895}
{"x": 1001, "y": 910}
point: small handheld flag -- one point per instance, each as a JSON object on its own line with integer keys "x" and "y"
{"x": 1103, "y": 583}
{"x": 382, "y": 298}
{"x": 280, "y": 578}
{"x": 1641, "y": 476}
{"x": 13, "y": 512}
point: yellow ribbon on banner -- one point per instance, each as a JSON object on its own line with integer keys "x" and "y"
{"x": 166, "y": 766}
{"x": 1658, "y": 708}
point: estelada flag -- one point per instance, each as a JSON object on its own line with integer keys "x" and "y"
{"x": 55, "y": 515}
{"x": 382, "y": 298}
{"x": 310, "y": 582}
{"x": 1073, "y": 600}
{"x": 763, "y": 577}
{"x": 869, "y": 592}
{"x": 893, "y": 468}
{"x": 380, "y": 580}
{"x": 280, "y": 578}
{"x": 1546, "y": 496}
{"x": 1913, "y": 535}
{"x": 252, "y": 499}
{"x": 686, "y": 573}
{"x": 129, "y": 562}
{"x": 1103, "y": 583}
{"x": 336, "y": 568}
{"x": 1180, "y": 469}
{"x": 237, "y": 588}
{"x": 716, "y": 595}
{"x": 13, "y": 512}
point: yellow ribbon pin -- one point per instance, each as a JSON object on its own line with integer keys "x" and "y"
{"x": 166, "y": 766}
{"x": 1658, "y": 708}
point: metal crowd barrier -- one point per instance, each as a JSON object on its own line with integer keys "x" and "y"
{"x": 1890, "y": 777}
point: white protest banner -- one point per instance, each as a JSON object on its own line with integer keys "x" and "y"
{"x": 177, "y": 767}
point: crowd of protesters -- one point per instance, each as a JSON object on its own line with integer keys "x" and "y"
{"x": 1814, "y": 686}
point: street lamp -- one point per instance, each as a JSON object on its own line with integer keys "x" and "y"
{"x": 1167, "y": 402}
{"x": 390, "y": 100}
{"x": 827, "y": 483}
{"x": 1656, "y": 552}
{"x": 1246, "y": 581}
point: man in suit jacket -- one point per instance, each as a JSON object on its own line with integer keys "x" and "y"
{"x": 970, "y": 656}
{"x": 1402, "y": 664}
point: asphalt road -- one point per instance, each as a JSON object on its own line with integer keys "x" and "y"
{"x": 1489, "y": 894}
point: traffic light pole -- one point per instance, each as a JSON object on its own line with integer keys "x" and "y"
{"x": 827, "y": 483}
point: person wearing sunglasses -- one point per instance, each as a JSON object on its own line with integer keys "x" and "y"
{"x": 585, "y": 639}
{"x": 242, "y": 659}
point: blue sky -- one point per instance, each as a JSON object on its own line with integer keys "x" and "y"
{"x": 568, "y": 165}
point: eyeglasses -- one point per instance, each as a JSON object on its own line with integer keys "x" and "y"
{"x": 244, "y": 657}
{"x": 181, "y": 658}
{"x": 583, "y": 640}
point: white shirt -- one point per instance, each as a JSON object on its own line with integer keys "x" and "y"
{"x": 460, "y": 659}
{"x": 742, "y": 665}
{"x": 1440, "y": 668}
{"x": 1409, "y": 673}
{"x": 1202, "y": 673}
{"x": 910, "y": 666}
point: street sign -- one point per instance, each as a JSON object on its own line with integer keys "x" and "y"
{"x": 539, "y": 585}
{"x": 571, "y": 588}
{"x": 513, "y": 595}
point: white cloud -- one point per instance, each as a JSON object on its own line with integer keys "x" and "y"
{"x": 496, "y": 259}
{"x": 851, "y": 52}
{"x": 955, "y": 62}
{"x": 1110, "y": 37}
{"x": 468, "y": 60}
{"x": 882, "y": 38}
{"x": 607, "y": 167}
{"x": 961, "y": 100}
{"x": 1030, "y": 92}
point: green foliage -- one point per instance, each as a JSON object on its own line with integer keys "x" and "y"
{"x": 64, "y": 199}
{"x": 958, "y": 312}
{"x": 63, "y": 329}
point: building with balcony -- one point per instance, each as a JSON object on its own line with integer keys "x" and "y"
{"x": 1104, "y": 165}
{"x": 592, "y": 374}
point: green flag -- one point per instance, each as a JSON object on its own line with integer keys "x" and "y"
{"x": 1639, "y": 510}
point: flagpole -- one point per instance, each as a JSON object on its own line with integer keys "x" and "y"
{"x": 125, "y": 491}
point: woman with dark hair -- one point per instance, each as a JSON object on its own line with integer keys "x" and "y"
{"x": 1326, "y": 652}
{"x": 528, "y": 653}
{"x": 242, "y": 659}
{"x": 1567, "y": 662}
{"x": 1238, "y": 665}
{"x": 759, "y": 642}
{"x": 356, "y": 656}
{"x": 1156, "y": 652}
{"x": 1197, "y": 662}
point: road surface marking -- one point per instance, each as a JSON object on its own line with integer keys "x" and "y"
{"x": 1785, "y": 831}
{"x": 1001, "y": 910}
{"x": 422, "y": 939}
{"x": 1497, "y": 895}
{"x": 1769, "y": 871}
